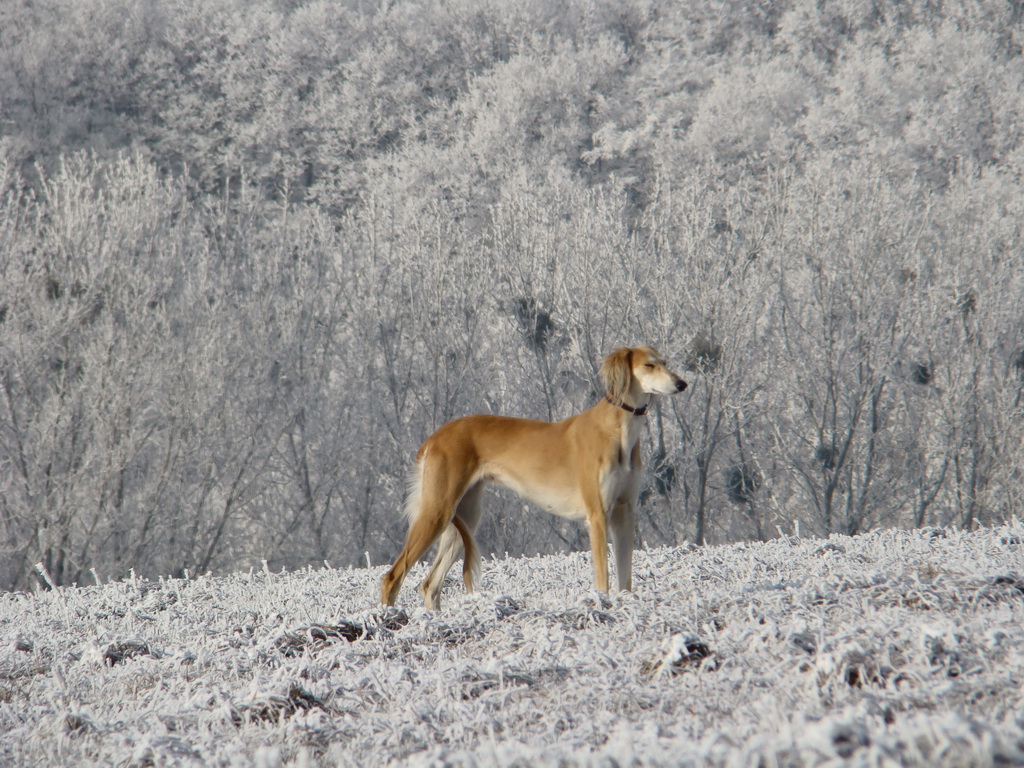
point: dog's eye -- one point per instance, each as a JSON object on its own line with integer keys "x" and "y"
{"x": 648, "y": 365}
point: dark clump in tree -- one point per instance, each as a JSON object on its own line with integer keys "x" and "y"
{"x": 921, "y": 373}
{"x": 966, "y": 302}
{"x": 704, "y": 354}
{"x": 535, "y": 321}
{"x": 741, "y": 483}
{"x": 826, "y": 456}
{"x": 54, "y": 290}
{"x": 663, "y": 474}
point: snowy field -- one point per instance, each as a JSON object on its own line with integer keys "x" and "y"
{"x": 891, "y": 648}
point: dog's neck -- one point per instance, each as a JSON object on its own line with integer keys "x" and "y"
{"x": 636, "y": 411}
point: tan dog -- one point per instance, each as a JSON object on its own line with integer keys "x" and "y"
{"x": 586, "y": 467}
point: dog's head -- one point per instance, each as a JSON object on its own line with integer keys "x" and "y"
{"x": 636, "y": 370}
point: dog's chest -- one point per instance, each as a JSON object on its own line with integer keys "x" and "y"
{"x": 622, "y": 464}
{"x": 629, "y": 436}
{"x": 623, "y": 460}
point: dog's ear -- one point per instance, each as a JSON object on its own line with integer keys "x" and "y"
{"x": 617, "y": 372}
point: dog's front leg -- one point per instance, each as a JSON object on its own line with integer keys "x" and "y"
{"x": 597, "y": 524}
{"x": 623, "y": 521}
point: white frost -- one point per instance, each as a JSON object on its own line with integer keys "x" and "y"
{"x": 894, "y": 647}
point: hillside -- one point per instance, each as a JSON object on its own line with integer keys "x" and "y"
{"x": 895, "y": 645}
{"x": 253, "y": 252}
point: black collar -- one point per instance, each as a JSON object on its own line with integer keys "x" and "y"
{"x": 623, "y": 406}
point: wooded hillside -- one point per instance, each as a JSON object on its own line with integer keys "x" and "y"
{"x": 253, "y": 251}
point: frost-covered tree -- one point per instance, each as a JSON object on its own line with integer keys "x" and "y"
{"x": 253, "y": 253}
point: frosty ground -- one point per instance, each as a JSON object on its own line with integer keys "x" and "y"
{"x": 889, "y": 648}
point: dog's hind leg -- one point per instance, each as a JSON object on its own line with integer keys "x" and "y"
{"x": 422, "y": 533}
{"x": 457, "y": 539}
{"x": 434, "y": 500}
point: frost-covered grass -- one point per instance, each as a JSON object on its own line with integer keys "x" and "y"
{"x": 891, "y": 648}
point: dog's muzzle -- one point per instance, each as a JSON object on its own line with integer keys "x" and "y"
{"x": 680, "y": 385}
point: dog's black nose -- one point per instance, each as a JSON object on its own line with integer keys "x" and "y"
{"x": 680, "y": 385}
